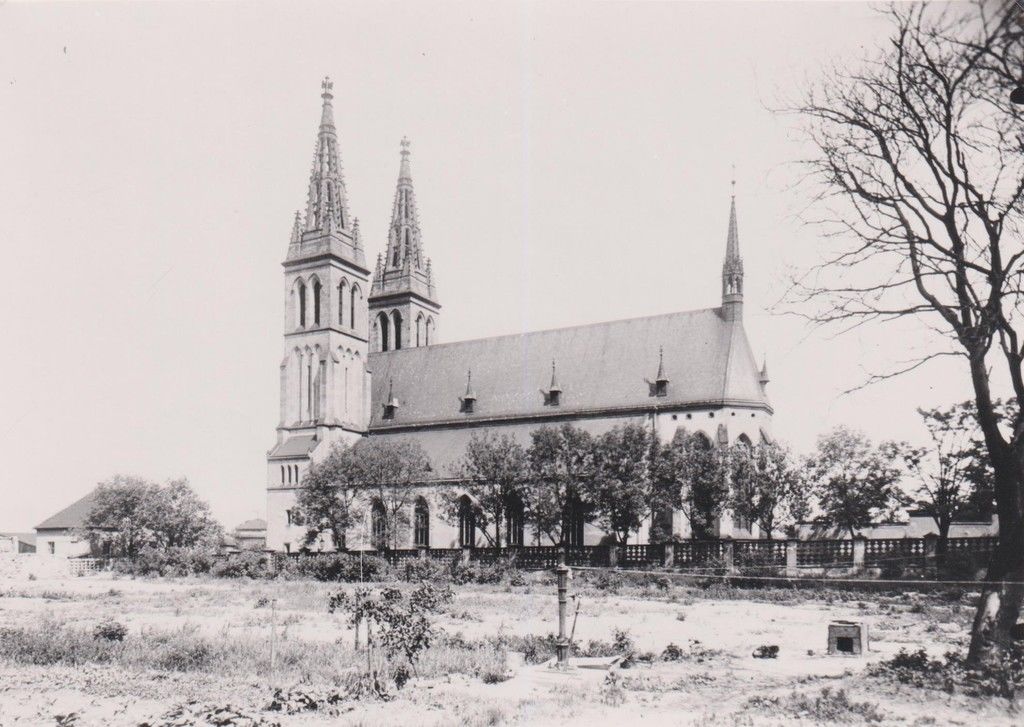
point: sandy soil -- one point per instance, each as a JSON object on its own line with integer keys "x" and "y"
{"x": 713, "y": 691}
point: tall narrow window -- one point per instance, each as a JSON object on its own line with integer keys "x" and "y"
{"x": 421, "y": 524}
{"x": 467, "y": 523}
{"x": 382, "y": 325}
{"x": 341, "y": 303}
{"x": 419, "y": 326}
{"x": 302, "y": 305}
{"x": 316, "y": 302}
{"x": 282, "y": 474}
{"x": 514, "y": 520}
{"x": 378, "y": 525}
{"x": 352, "y": 305}
{"x": 396, "y": 318}
{"x": 573, "y": 521}
{"x": 430, "y": 331}
{"x": 309, "y": 390}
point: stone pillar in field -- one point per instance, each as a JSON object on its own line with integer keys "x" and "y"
{"x": 613, "y": 556}
{"x": 728, "y": 557}
{"x": 792, "y": 569}
{"x": 670, "y": 555}
{"x": 860, "y": 546}
{"x": 931, "y": 553}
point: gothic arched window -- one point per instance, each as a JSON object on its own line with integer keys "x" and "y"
{"x": 378, "y": 525}
{"x": 573, "y": 520}
{"x": 421, "y": 524}
{"x": 302, "y": 305}
{"x": 316, "y": 302}
{"x": 341, "y": 303}
{"x": 467, "y": 523}
{"x": 357, "y": 295}
{"x": 282, "y": 474}
{"x": 419, "y": 327}
{"x": 430, "y": 331}
{"x": 396, "y": 319}
{"x": 383, "y": 327}
{"x": 514, "y": 521}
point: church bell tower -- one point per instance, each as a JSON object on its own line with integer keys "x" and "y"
{"x": 324, "y": 386}
{"x": 403, "y": 301}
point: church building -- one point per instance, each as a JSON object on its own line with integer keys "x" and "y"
{"x": 364, "y": 356}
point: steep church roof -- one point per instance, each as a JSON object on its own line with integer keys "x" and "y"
{"x": 603, "y": 367}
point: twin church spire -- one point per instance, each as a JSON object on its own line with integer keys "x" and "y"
{"x": 327, "y": 223}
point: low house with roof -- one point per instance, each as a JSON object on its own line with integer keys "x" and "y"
{"x": 60, "y": 534}
{"x": 17, "y": 542}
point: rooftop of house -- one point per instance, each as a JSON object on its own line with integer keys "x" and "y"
{"x": 71, "y": 517}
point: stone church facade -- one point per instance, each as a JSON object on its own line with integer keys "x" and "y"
{"x": 363, "y": 357}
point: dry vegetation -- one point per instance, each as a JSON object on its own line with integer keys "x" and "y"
{"x": 193, "y": 647}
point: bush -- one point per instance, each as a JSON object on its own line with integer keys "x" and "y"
{"x": 342, "y": 567}
{"x": 673, "y": 653}
{"x": 917, "y": 669}
{"x": 828, "y": 707}
{"x": 248, "y": 564}
{"x": 110, "y": 630}
{"x": 168, "y": 562}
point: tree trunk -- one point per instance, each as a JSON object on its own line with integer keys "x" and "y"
{"x": 1001, "y": 595}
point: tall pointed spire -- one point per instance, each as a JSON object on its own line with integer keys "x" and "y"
{"x": 404, "y": 251}
{"x": 732, "y": 267}
{"x": 327, "y": 220}
{"x": 404, "y": 280}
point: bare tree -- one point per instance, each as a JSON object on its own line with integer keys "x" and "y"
{"x": 918, "y": 154}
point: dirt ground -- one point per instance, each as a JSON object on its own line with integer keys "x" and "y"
{"x": 715, "y": 689}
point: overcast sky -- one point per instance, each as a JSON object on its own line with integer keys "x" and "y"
{"x": 571, "y": 163}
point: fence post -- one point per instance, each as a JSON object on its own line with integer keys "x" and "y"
{"x": 792, "y": 568}
{"x": 613, "y": 556}
{"x": 670, "y": 555}
{"x": 860, "y": 545}
{"x": 931, "y": 552}
{"x": 728, "y": 557}
{"x": 467, "y": 554}
{"x": 562, "y": 645}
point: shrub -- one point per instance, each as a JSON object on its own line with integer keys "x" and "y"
{"x": 766, "y": 651}
{"x": 248, "y": 564}
{"x": 673, "y": 653}
{"x": 953, "y": 673}
{"x": 110, "y": 630}
{"x": 828, "y": 707}
{"x": 343, "y": 567}
{"x": 168, "y": 562}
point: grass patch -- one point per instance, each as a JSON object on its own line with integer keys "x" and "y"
{"x": 828, "y": 706}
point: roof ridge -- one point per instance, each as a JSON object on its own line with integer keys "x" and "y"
{"x": 547, "y": 330}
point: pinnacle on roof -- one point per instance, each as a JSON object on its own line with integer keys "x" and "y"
{"x": 660, "y": 379}
{"x": 554, "y": 380}
{"x": 392, "y": 401}
{"x": 297, "y": 228}
{"x": 469, "y": 395}
{"x": 764, "y": 371}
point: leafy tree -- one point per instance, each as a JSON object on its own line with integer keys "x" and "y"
{"x": 621, "y": 490}
{"x": 768, "y": 487}
{"x": 329, "y": 499}
{"x": 690, "y": 476}
{"x": 854, "y": 482}
{"x": 946, "y": 471}
{"x": 130, "y": 513}
{"x": 335, "y": 492}
{"x": 387, "y": 470}
{"x": 917, "y": 152}
{"x": 561, "y": 464}
{"x": 493, "y": 470}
